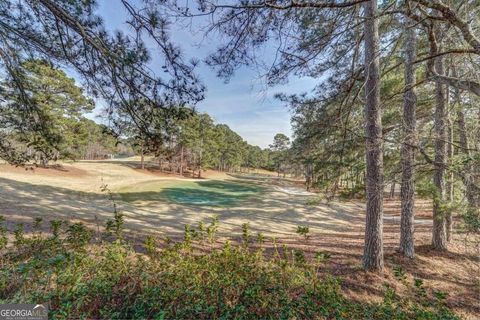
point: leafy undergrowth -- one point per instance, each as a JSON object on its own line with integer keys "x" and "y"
{"x": 109, "y": 280}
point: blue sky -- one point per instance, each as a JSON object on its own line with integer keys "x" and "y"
{"x": 244, "y": 104}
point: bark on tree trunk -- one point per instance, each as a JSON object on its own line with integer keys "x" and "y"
{"x": 308, "y": 176}
{"x": 194, "y": 165}
{"x": 200, "y": 162}
{"x": 449, "y": 127}
{"x": 467, "y": 180}
{"x": 392, "y": 189}
{"x": 373, "y": 249}
{"x": 439, "y": 232}
{"x": 142, "y": 158}
{"x": 44, "y": 161}
{"x": 448, "y": 217}
{"x": 181, "y": 161}
{"x": 478, "y": 132}
{"x": 407, "y": 189}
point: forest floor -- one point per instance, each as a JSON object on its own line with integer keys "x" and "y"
{"x": 156, "y": 203}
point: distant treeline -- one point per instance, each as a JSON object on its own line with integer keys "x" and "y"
{"x": 193, "y": 141}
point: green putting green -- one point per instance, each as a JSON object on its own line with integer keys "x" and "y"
{"x": 200, "y": 193}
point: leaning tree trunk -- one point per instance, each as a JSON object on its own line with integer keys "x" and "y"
{"x": 373, "y": 249}
{"x": 407, "y": 190}
{"x": 439, "y": 232}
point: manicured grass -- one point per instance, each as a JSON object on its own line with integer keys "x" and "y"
{"x": 199, "y": 193}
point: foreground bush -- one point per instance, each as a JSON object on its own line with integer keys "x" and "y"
{"x": 111, "y": 281}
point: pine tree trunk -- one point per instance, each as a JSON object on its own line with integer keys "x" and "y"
{"x": 373, "y": 249}
{"x": 200, "y": 163}
{"x": 308, "y": 176}
{"x": 477, "y": 145}
{"x": 194, "y": 165}
{"x": 181, "y": 162}
{"x": 467, "y": 177}
{"x": 392, "y": 189}
{"x": 439, "y": 232}
{"x": 407, "y": 190}
{"x": 45, "y": 161}
{"x": 448, "y": 217}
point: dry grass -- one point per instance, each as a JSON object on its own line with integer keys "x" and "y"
{"x": 72, "y": 193}
{"x": 59, "y": 170}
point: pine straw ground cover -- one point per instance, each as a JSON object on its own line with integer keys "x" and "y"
{"x": 109, "y": 280}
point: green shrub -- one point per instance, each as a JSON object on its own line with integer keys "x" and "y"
{"x": 246, "y": 234}
{"x": 260, "y": 238}
{"x": 78, "y": 236}
{"x": 112, "y": 281}
{"x": 114, "y": 227}
{"x": 19, "y": 235}
{"x": 3, "y": 234}
{"x": 212, "y": 229}
{"x": 303, "y": 231}
{"x": 314, "y": 200}
{"x": 55, "y": 226}
{"x": 471, "y": 220}
{"x": 150, "y": 245}
{"x": 357, "y": 192}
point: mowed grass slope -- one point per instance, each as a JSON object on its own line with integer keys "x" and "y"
{"x": 161, "y": 205}
{"x": 200, "y": 193}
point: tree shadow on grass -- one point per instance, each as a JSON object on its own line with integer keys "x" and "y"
{"x": 187, "y": 196}
{"x": 230, "y": 186}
